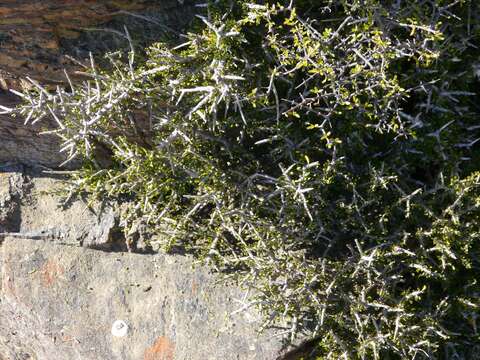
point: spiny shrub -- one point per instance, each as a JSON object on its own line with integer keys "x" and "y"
{"x": 323, "y": 153}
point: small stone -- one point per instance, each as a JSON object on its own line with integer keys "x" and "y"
{"x": 119, "y": 328}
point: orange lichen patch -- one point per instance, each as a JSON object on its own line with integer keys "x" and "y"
{"x": 9, "y": 288}
{"x": 194, "y": 287}
{"x": 50, "y": 272}
{"x": 66, "y": 338}
{"x": 162, "y": 349}
{"x": 7, "y": 281}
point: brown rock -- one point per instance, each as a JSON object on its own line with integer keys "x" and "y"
{"x": 36, "y": 37}
{"x": 23, "y": 143}
{"x": 40, "y": 39}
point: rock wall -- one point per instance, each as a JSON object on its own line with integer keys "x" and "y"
{"x": 61, "y": 302}
{"x": 66, "y": 278}
{"x": 38, "y": 38}
{"x": 59, "y": 298}
{"x": 23, "y": 144}
{"x": 42, "y": 39}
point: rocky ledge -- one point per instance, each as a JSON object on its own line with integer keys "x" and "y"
{"x": 67, "y": 292}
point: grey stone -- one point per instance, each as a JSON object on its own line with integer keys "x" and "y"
{"x": 33, "y": 206}
{"x": 60, "y": 302}
{"x": 65, "y": 280}
{"x": 11, "y": 185}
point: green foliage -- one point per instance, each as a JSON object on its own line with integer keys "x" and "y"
{"x": 325, "y": 154}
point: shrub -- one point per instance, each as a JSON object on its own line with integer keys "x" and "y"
{"x": 324, "y": 153}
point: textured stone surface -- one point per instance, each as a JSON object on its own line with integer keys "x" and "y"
{"x": 11, "y": 185}
{"x": 24, "y": 144}
{"x": 36, "y": 37}
{"x": 31, "y": 205}
{"x": 42, "y": 39}
{"x": 59, "y": 297}
{"x": 59, "y": 302}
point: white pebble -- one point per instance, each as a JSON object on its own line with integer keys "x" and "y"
{"x": 119, "y": 328}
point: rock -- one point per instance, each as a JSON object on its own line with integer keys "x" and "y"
{"x": 37, "y": 37}
{"x": 23, "y": 144}
{"x": 42, "y": 39}
{"x": 11, "y": 185}
{"x": 76, "y": 223}
{"x": 33, "y": 206}
{"x": 60, "y": 302}
{"x": 63, "y": 298}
